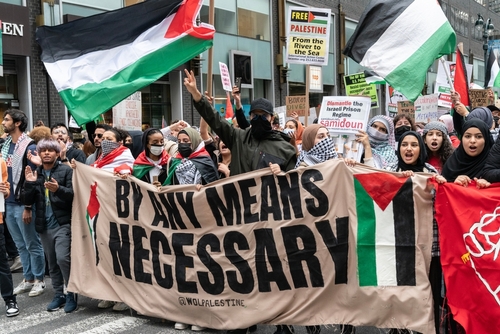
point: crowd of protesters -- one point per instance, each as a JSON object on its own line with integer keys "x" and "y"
{"x": 37, "y": 169}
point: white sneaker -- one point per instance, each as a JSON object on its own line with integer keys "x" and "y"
{"x": 197, "y": 328}
{"x": 16, "y": 264}
{"x": 23, "y": 287}
{"x": 37, "y": 289}
{"x": 180, "y": 325}
{"x": 105, "y": 304}
{"x": 121, "y": 306}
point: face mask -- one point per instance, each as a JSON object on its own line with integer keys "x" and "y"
{"x": 289, "y": 131}
{"x": 260, "y": 127}
{"x": 399, "y": 131}
{"x": 184, "y": 149}
{"x": 108, "y": 146}
{"x": 129, "y": 146}
{"x": 156, "y": 150}
{"x": 376, "y": 135}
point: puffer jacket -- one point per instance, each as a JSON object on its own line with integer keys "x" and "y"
{"x": 61, "y": 200}
{"x": 247, "y": 153}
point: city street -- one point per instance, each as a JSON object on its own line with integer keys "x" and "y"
{"x": 33, "y": 318}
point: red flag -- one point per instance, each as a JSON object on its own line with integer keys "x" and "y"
{"x": 461, "y": 83}
{"x": 469, "y": 237}
{"x": 229, "y": 107}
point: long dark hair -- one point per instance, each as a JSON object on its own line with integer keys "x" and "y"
{"x": 444, "y": 152}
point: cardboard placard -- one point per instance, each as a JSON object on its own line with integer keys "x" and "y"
{"x": 478, "y": 98}
{"x": 296, "y": 104}
{"x": 407, "y": 107}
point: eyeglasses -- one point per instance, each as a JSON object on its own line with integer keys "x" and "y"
{"x": 56, "y": 132}
{"x": 98, "y": 135}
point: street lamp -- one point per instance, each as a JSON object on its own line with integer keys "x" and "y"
{"x": 487, "y": 27}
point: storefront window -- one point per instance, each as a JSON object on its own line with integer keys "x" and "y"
{"x": 156, "y": 104}
{"x": 90, "y": 7}
{"x": 253, "y": 19}
{"x": 224, "y": 16}
{"x": 8, "y": 93}
{"x": 13, "y": 2}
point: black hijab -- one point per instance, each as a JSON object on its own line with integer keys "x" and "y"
{"x": 460, "y": 163}
{"x": 422, "y": 158}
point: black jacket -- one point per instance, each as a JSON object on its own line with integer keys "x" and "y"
{"x": 61, "y": 201}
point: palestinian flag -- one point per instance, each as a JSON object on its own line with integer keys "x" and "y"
{"x": 400, "y": 39}
{"x": 492, "y": 69}
{"x": 373, "y": 79}
{"x": 385, "y": 241}
{"x": 92, "y": 213}
{"x": 96, "y": 62}
{"x": 1, "y": 58}
{"x": 461, "y": 81}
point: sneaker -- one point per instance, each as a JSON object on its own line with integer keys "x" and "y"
{"x": 105, "y": 304}
{"x": 71, "y": 302}
{"x": 23, "y": 287}
{"x": 180, "y": 325}
{"x": 16, "y": 264}
{"x": 121, "y": 306}
{"x": 56, "y": 303}
{"x": 11, "y": 308}
{"x": 197, "y": 328}
{"x": 37, "y": 289}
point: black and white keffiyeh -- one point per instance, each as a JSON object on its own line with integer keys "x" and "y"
{"x": 320, "y": 152}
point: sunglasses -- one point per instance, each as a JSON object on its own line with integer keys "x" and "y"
{"x": 98, "y": 135}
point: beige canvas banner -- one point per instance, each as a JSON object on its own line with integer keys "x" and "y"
{"x": 327, "y": 244}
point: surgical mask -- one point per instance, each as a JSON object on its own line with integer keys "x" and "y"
{"x": 377, "y": 136}
{"x": 184, "y": 149}
{"x": 156, "y": 150}
{"x": 289, "y": 132}
{"x": 261, "y": 127}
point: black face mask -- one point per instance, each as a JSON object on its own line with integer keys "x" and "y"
{"x": 260, "y": 127}
{"x": 129, "y": 146}
{"x": 399, "y": 131}
{"x": 184, "y": 149}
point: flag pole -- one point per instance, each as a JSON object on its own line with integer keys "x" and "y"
{"x": 211, "y": 14}
{"x": 447, "y": 72}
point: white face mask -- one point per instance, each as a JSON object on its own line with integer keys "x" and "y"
{"x": 156, "y": 149}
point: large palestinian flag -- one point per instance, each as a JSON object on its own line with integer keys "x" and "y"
{"x": 96, "y": 62}
{"x": 386, "y": 230}
{"x": 400, "y": 39}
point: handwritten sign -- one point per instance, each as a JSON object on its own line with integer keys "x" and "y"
{"x": 225, "y": 77}
{"x": 296, "y": 104}
{"x": 426, "y": 108}
{"x": 406, "y": 107}
{"x": 478, "y": 98}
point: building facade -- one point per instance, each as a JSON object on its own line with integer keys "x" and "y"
{"x": 250, "y": 38}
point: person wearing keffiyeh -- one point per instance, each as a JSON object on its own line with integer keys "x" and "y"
{"x": 192, "y": 164}
{"x": 317, "y": 146}
{"x": 378, "y": 142}
{"x": 153, "y": 160}
{"x": 114, "y": 157}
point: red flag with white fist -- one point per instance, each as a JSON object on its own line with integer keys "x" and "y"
{"x": 469, "y": 232}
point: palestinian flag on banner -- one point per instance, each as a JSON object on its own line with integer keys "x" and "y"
{"x": 92, "y": 213}
{"x": 96, "y": 62}
{"x": 373, "y": 79}
{"x": 385, "y": 239}
{"x": 492, "y": 69}
{"x": 400, "y": 39}
{"x": 1, "y": 57}
{"x": 469, "y": 238}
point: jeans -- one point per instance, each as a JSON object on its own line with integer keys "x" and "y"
{"x": 6, "y": 286}
{"x": 27, "y": 242}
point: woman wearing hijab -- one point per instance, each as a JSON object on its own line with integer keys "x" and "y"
{"x": 192, "y": 164}
{"x": 378, "y": 142}
{"x": 468, "y": 161}
{"x": 317, "y": 146}
{"x": 115, "y": 157}
{"x": 491, "y": 171}
{"x": 482, "y": 113}
{"x": 448, "y": 122}
{"x": 151, "y": 164}
{"x": 411, "y": 155}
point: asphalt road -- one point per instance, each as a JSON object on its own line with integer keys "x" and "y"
{"x": 34, "y": 318}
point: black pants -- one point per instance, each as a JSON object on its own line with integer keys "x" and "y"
{"x": 6, "y": 285}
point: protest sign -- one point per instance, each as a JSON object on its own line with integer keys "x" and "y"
{"x": 391, "y": 102}
{"x": 296, "y": 104}
{"x": 281, "y": 111}
{"x": 478, "y": 98}
{"x": 355, "y": 84}
{"x": 442, "y": 86}
{"x": 218, "y": 256}
{"x": 426, "y": 108}
{"x": 225, "y": 77}
{"x": 344, "y": 116}
{"x": 127, "y": 114}
{"x": 308, "y": 36}
{"x": 406, "y": 107}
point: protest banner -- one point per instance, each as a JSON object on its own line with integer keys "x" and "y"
{"x": 442, "y": 86}
{"x": 426, "y": 108}
{"x": 296, "y": 104}
{"x": 344, "y": 116}
{"x": 225, "y": 77}
{"x": 478, "y": 98}
{"x": 358, "y": 252}
{"x": 469, "y": 241}
{"x": 308, "y": 36}
{"x": 127, "y": 114}
{"x": 355, "y": 84}
{"x": 407, "y": 107}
